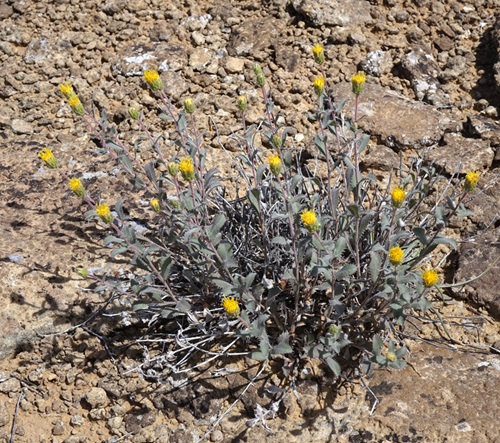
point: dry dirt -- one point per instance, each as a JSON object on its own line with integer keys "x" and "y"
{"x": 434, "y": 82}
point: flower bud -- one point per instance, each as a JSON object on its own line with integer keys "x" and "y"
{"x": 83, "y": 272}
{"x": 318, "y": 54}
{"x": 391, "y": 357}
{"x": 319, "y": 85}
{"x": 276, "y": 141}
{"x": 186, "y": 168}
{"x": 155, "y": 204}
{"x": 153, "y": 79}
{"x": 173, "y": 168}
{"x": 75, "y": 104}
{"x": 242, "y": 103}
{"x": 358, "y": 81}
{"x": 104, "y": 213}
{"x": 48, "y": 157}
{"x": 189, "y": 106}
{"x": 133, "y": 113}
{"x": 275, "y": 164}
{"x": 470, "y": 182}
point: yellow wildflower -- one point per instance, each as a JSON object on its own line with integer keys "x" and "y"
{"x": 471, "y": 180}
{"x": 396, "y": 255}
{"x": 391, "y": 357}
{"x": 46, "y": 155}
{"x": 309, "y": 220}
{"x": 189, "y": 106}
{"x": 186, "y": 167}
{"x": 358, "y": 81}
{"x": 318, "y": 54}
{"x": 153, "y": 79}
{"x": 66, "y": 89}
{"x": 76, "y": 105}
{"x": 231, "y": 306}
{"x": 76, "y": 186}
{"x": 155, "y": 204}
{"x": 430, "y": 277}
{"x": 319, "y": 85}
{"x": 104, "y": 213}
{"x": 398, "y": 195}
{"x": 275, "y": 164}
{"x": 242, "y": 103}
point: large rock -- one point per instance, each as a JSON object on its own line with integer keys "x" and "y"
{"x": 254, "y": 36}
{"x": 344, "y": 13}
{"x": 460, "y": 154}
{"x": 395, "y": 120}
{"x": 475, "y": 258}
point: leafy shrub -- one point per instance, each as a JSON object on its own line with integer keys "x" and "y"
{"x": 293, "y": 266}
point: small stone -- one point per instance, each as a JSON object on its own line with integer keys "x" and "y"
{"x": 114, "y": 424}
{"x": 234, "y": 65}
{"x": 58, "y": 428}
{"x": 76, "y": 420}
{"x": 5, "y": 11}
{"x": 4, "y": 416}
{"x": 10, "y": 385}
{"x": 97, "y": 397}
{"x": 216, "y": 435}
{"x": 19, "y": 126}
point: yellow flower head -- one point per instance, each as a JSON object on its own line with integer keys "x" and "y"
{"x": 104, "y": 213}
{"x": 319, "y": 85}
{"x": 66, "y": 89}
{"x": 153, "y": 79}
{"x": 242, "y": 103}
{"x": 430, "y": 277}
{"x": 46, "y": 155}
{"x": 155, "y": 204}
{"x": 189, "y": 106}
{"x": 275, "y": 164}
{"x": 76, "y": 105}
{"x": 471, "y": 180}
{"x": 186, "y": 167}
{"x": 309, "y": 220}
{"x": 231, "y": 306}
{"x": 391, "y": 357}
{"x": 358, "y": 81}
{"x": 76, "y": 186}
{"x": 398, "y": 195}
{"x": 318, "y": 54}
{"x": 396, "y": 255}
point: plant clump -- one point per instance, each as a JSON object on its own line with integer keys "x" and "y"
{"x": 294, "y": 268}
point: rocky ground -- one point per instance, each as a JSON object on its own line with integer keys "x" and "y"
{"x": 433, "y": 83}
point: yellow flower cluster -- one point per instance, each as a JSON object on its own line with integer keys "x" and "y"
{"x": 153, "y": 79}
{"x": 398, "y": 197}
{"x": 309, "y": 220}
{"x": 104, "y": 213}
{"x": 396, "y": 255}
{"x": 430, "y": 277}
{"x": 48, "y": 157}
{"x": 73, "y": 101}
{"x": 319, "y": 85}
{"x": 358, "y": 81}
{"x": 275, "y": 164}
{"x": 76, "y": 186}
{"x": 471, "y": 180}
{"x": 318, "y": 54}
{"x": 231, "y": 306}
{"x": 186, "y": 168}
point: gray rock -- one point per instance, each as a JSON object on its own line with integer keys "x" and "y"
{"x": 9, "y": 385}
{"x": 351, "y": 14}
{"x": 4, "y": 416}
{"x": 377, "y": 63}
{"x": 58, "y": 428}
{"x": 200, "y": 58}
{"x": 395, "y": 120}
{"x": 97, "y": 398}
{"x": 253, "y": 36}
{"x": 460, "y": 154}
{"x": 422, "y": 70}
{"x": 20, "y": 126}
{"x": 234, "y": 65}
{"x": 475, "y": 258}
{"x": 483, "y": 127}
{"x": 380, "y": 157}
{"x": 5, "y": 11}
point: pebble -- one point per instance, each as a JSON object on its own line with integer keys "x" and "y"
{"x": 58, "y": 428}
{"x": 20, "y": 126}
{"x": 97, "y": 398}
{"x": 10, "y": 385}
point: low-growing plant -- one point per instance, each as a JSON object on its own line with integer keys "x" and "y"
{"x": 292, "y": 266}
